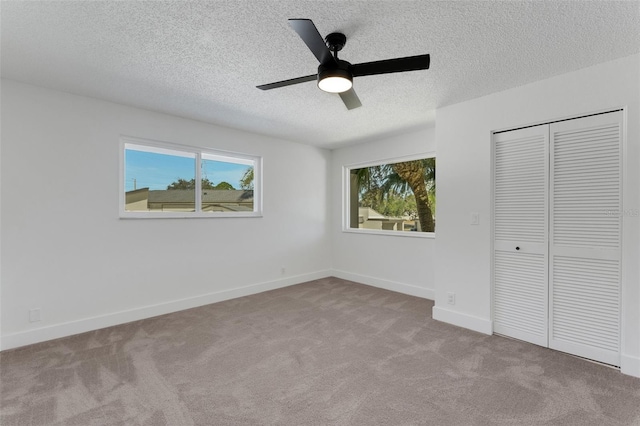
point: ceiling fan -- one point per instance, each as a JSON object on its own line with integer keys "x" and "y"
{"x": 335, "y": 75}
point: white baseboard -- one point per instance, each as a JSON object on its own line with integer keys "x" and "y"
{"x": 56, "y": 331}
{"x": 480, "y": 325}
{"x": 411, "y": 290}
{"x": 630, "y": 365}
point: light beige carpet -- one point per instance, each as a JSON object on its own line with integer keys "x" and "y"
{"x": 327, "y": 352}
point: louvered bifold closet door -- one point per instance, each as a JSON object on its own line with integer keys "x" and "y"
{"x": 520, "y": 262}
{"x": 585, "y": 235}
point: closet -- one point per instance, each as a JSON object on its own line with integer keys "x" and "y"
{"x": 557, "y": 229}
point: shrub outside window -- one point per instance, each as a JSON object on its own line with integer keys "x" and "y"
{"x": 391, "y": 197}
{"x": 170, "y": 180}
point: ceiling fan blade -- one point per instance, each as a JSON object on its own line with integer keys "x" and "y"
{"x": 350, "y": 99}
{"x": 289, "y": 82}
{"x": 312, "y": 38}
{"x": 410, "y": 63}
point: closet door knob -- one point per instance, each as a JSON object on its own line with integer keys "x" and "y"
{"x": 517, "y": 248}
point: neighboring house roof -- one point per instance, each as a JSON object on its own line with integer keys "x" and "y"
{"x": 370, "y": 214}
{"x": 137, "y": 191}
{"x": 208, "y": 196}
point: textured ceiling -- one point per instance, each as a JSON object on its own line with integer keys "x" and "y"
{"x": 203, "y": 59}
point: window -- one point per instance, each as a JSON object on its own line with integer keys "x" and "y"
{"x": 166, "y": 180}
{"x": 394, "y": 197}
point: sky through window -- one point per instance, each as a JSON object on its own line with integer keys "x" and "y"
{"x": 157, "y": 171}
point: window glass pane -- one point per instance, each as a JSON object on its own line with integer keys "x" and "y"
{"x": 227, "y": 186}
{"x": 184, "y": 182}
{"x": 394, "y": 197}
{"x": 159, "y": 180}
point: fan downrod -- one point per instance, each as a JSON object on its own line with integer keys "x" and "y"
{"x": 335, "y": 41}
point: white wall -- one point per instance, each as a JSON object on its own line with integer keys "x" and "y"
{"x": 65, "y": 251}
{"x": 404, "y": 264}
{"x": 86, "y": 269}
{"x": 463, "y": 132}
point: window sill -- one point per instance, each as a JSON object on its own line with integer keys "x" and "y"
{"x": 186, "y": 215}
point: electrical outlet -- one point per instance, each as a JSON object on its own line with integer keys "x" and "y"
{"x": 475, "y": 218}
{"x": 34, "y": 315}
{"x": 283, "y": 270}
{"x": 451, "y": 298}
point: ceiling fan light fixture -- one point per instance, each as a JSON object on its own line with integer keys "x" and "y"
{"x": 335, "y": 75}
{"x": 335, "y": 80}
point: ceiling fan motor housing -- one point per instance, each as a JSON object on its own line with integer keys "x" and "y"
{"x": 343, "y": 69}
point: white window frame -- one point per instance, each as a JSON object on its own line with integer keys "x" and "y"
{"x": 198, "y": 153}
{"x": 346, "y": 197}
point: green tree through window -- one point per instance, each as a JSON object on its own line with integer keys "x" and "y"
{"x": 402, "y": 190}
